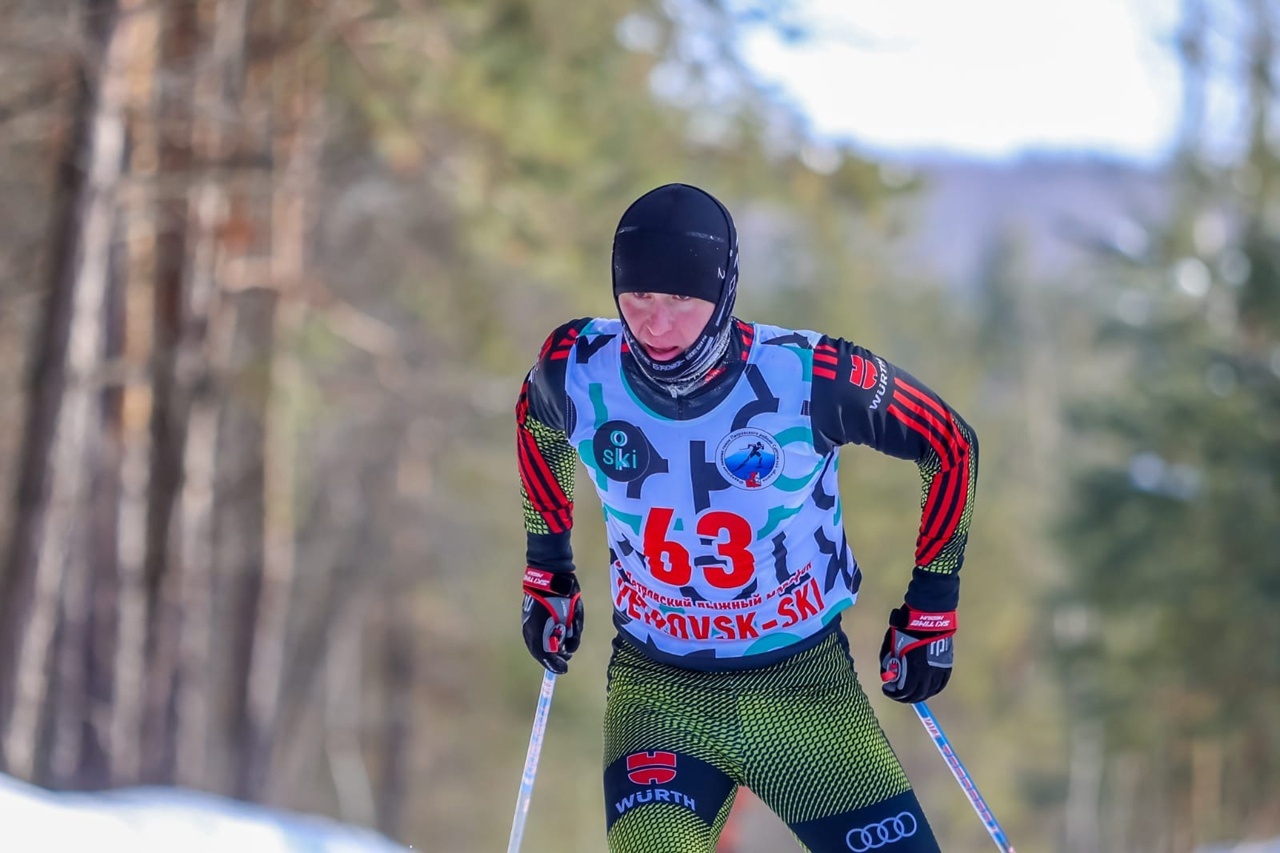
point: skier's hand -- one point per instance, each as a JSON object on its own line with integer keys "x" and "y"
{"x": 552, "y": 616}
{"x": 916, "y": 655}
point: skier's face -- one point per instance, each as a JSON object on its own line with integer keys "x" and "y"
{"x": 664, "y": 324}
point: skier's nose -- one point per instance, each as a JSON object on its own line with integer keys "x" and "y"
{"x": 660, "y": 320}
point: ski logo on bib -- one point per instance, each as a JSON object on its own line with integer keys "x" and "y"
{"x": 621, "y": 451}
{"x": 749, "y": 458}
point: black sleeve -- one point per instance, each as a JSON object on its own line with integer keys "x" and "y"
{"x": 547, "y": 464}
{"x": 860, "y": 398}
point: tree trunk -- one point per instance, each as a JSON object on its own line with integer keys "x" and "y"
{"x": 62, "y": 411}
{"x": 127, "y": 600}
{"x": 1084, "y": 789}
{"x": 207, "y": 348}
{"x": 287, "y": 88}
{"x": 240, "y": 508}
{"x": 344, "y": 696}
{"x": 97, "y": 651}
{"x": 180, "y": 51}
{"x": 396, "y": 726}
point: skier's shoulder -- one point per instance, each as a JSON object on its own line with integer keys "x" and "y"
{"x": 781, "y": 336}
{"x": 545, "y": 382}
{"x": 595, "y": 327}
{"x": 559, "y": 343}
{"x": 591, "y": 332}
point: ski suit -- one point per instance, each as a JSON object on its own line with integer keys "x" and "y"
{"x": 730, "y": 571}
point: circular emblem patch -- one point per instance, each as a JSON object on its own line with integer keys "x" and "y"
{"x": 749, "y": 458}
{"x": 621, "y": 451}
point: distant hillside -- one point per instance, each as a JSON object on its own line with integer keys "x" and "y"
{"x": 1054, "y": 206}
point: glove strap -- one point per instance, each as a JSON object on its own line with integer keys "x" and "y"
{"x": 536, "y": 580}
{"x": 933, "y": 623}
{"x": 539, "y": 582}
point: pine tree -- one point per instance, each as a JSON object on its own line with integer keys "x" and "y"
{"x": 1173, "y": 532}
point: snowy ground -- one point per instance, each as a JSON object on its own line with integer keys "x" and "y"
{"x": 163, "y": 820}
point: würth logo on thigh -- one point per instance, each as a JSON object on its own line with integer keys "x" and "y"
{"x": 651, "y": 768}
{"x": 873, "y": 836}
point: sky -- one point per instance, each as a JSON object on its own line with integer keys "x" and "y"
{"x": 984, "y": 78}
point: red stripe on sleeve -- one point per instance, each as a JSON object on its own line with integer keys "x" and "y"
{"x": 958, "y": 446}
{"x": 943, "y": 428}
{"x": 921, "y": 397}
{"x": 544, "y": 492}
{"x": 540, "y": 484}
{"x": 948, "y": 492}
{"x": 946, "y": 504}
{"x": 911, "y": 421}
{"x": 939, "y": 478}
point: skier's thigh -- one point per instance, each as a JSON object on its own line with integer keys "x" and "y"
{"x": 895, "y": 825}
{"x": 659, "y": 800}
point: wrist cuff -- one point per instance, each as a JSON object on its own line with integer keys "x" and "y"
{"x": 932, "y": 592}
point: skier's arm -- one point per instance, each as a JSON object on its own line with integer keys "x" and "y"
{"x": 552, "y": 613}
{"x": 546, "y": 459}
{"x": 860, "y": 398}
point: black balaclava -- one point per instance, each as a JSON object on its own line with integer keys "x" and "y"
{"x": 679, "y": 239}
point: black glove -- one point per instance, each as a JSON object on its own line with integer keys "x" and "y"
{"x": 916, "y": 655}
{"x": 552, "y": 617}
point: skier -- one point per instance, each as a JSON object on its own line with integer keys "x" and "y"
{"x": 729, "y": 665}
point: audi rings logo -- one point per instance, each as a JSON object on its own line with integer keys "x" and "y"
{"x": 873, "y": 836}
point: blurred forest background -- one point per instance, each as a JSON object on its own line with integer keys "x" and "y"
{"x": 271, "y": 272}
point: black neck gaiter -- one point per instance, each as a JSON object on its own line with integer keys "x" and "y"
{"x": 681, "y": 240}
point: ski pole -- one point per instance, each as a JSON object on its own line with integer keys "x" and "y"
{"x": 531, "y": 760}
{"x": 962, "y": 776}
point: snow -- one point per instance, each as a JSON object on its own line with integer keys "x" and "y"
{"x": 162, "y": 820}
